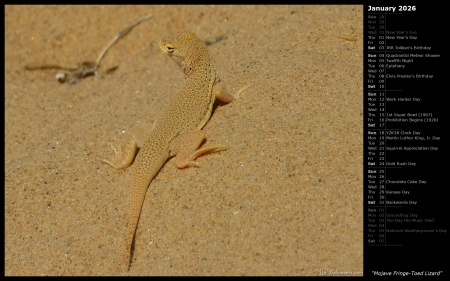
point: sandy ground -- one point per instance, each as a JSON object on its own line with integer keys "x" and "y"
{"x": 286, "y": 199}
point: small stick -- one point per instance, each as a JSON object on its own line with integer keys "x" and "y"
{"x": 212, "y": 40}
{"x": 75, "y": 74}
{"x": 118, "y": 36}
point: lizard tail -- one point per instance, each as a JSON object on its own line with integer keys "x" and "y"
{"x": 141, "y": 180}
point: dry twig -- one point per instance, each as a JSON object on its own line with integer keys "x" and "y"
{"x": 74, "y": 74}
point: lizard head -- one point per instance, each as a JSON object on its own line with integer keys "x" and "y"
{"x": 185, "y": 49}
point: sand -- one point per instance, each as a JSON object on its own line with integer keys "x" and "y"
{"x": 286, "y": 199}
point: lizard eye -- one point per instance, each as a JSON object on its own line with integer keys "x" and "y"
{"x": 170, "y": 48}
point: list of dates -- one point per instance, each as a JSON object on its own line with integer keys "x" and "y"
{"x": 404, "y": 93}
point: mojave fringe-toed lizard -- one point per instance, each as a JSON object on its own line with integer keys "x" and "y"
{"x": 178, "y": 130}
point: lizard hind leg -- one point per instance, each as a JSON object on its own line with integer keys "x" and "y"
{"x": 125, "y": 157}
{"x": 185, "y": 148}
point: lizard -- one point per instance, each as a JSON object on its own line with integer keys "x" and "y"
{"x": 177, "y": 132}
